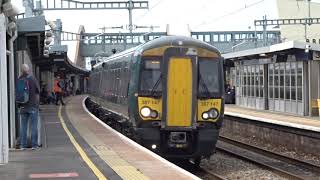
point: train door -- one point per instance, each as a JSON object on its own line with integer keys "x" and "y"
{"x": 179, "y": 89}
{"x": 179, "y": 92}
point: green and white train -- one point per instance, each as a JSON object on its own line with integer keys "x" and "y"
{"x": 167, "y": 94}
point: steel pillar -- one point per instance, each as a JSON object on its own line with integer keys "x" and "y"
{"x": 12, "y": 105}
{"x": 4, "y": 139}
{"x": 130, "y": 16}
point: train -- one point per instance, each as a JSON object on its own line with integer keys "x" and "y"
{"x": 166, "y": 94}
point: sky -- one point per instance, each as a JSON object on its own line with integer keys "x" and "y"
{"x": 199, "y": 15}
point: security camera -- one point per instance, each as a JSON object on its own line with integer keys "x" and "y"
{"x": 9, "y": 10}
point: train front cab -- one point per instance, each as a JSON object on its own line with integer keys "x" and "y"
{"x": 180, "y": 101}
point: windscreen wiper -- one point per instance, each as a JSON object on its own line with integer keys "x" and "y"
{"x": 203, "y": 85}
{"x": 156, "y": 85}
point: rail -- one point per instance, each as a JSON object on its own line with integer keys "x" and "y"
{"x": 277, "y": 163}
{"x": 213, "y": 175}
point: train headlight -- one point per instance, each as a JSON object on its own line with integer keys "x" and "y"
{"x": 154, "y": 114}
{"x": 205, "y": 115}
{"x": 145, "y": 111}
{"x": 213, "y": 114}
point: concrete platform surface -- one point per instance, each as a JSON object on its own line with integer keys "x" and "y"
{"x": 58, "y": 158}
{"x": 128, "y": 159}
{"x": 307, "y": 123}
{"x": 77, "y": 145}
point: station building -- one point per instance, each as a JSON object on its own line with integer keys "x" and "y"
{"x": 294, "y": 9}
{"x": 280, "y": 78}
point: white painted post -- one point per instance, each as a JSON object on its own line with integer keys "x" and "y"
{"x": 4, "y": 139}
{"x": 12, "y": 104}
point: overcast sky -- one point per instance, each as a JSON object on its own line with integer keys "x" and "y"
{"x": 200, "y": 15}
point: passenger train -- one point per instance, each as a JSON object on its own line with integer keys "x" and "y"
{"x": 167, "y": 94}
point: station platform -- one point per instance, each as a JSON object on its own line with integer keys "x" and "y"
{"x": 306, "y": 123}
{"x": 76, "y": 145}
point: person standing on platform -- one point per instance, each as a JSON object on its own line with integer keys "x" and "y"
{"x": 58, "y": 87}
{"x": 28, "y": 99}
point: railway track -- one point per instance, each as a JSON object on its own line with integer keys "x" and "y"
{"x": 207, "y": 174}
{"x": 284, "y": 166}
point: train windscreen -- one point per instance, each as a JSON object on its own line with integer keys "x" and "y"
{"x": 150, "y": 78}
{"x": 208, "y": 78}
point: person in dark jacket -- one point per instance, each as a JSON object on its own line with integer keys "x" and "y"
{"x": 29, "y": 110}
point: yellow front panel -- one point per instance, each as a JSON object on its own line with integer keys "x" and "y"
{"x": 154, "y": 104}
{"x": 179, "y": 92}
{"x": 207, "y": 104}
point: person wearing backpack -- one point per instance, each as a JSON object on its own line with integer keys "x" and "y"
{"x": 27, "y": 98}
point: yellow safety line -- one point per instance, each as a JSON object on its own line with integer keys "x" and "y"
{"x": 84, "y": 156}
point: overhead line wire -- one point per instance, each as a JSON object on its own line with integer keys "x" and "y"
{"x": 141, "y": 16}
{"x": 231, "y": 13}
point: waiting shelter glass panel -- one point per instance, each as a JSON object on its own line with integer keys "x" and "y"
{"x": 285, "y": 86}
{"x": 249, "y": 84}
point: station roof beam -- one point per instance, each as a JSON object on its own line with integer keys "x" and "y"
{"x": 277, "y": 22}
{"x": 78, "y": 5}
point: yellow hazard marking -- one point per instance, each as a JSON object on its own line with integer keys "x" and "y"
{"x": 122, "y": 167}
{"x": 82, "y": 153}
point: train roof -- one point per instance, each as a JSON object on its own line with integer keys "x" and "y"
{"x": 176, "y": 41}
{"x": 164, "y": 41}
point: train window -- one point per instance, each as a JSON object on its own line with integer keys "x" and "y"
{"x": 150, "y": 78}
{"x": 208, "y": 78}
